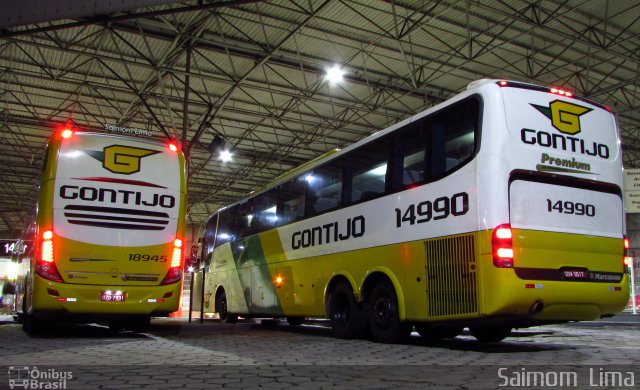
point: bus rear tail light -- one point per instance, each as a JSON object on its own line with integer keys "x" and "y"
{"x": 45, "y": 262}
{"x": 502, "y": 246}
{"x": 561, "y": 92}
{"x": 66, "y": 130}
{"x": 175, "y": 272}
{"x": 627, "y": 261}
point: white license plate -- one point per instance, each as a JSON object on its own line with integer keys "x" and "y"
{"x": 112, "y": 297}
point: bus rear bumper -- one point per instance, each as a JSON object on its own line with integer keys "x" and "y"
{"x": 63, "y": 298}
{"x": 559, "y": 301}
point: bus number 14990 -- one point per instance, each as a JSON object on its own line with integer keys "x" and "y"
{"x": 440, "y": 208}
{"x": 568, "y": 207}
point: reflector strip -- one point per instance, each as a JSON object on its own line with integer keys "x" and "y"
{"x": 66, "y": 299}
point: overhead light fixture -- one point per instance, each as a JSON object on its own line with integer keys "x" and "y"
{"x": 225, "y": 155}
{"x": 335, "y": 74}
{"x": 218, "y": 146}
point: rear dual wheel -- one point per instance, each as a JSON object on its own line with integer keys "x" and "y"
{"x": 384, "y": 315}
{"x": 347, "y": 319}
{"x": 30, "y": 324}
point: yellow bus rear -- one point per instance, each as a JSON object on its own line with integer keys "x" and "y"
{"x": 110, "y": 231}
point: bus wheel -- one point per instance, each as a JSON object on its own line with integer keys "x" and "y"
{"x": 222, "y": 309}
{"x": 490, "y": 334}
{"x": 31, "y": 325}
{"x": 383, "y": 313}
{"x": 295, "y": 321}
{"x": 430, "y": 332}
{"x": 347, "y": 320}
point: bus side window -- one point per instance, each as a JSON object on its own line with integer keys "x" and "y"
{"x": 291, "y": 201}
{"x": 411, "y": 152}
{"x": 245, "y": 217}
{"x": 368, "y": 170}
{"x": 325, "y": 188}
{"x": 453, "y": 136}
{"x": 264, "y": 215}
{"x": 226, "y": 226}
{"x": 209, "y": 238}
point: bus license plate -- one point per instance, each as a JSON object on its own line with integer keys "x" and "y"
{"x": 111, "y": 297}
{"x": 574, "y": 274}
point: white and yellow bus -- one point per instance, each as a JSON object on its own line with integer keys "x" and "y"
{"x": 496, "y": 209}
{"x": 108, "y": 234}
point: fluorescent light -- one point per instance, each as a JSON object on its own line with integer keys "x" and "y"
{"x": 335, "y": 74}
{"x": 225, "y": 155}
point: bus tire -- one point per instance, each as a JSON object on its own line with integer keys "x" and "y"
{"x": 346, "y": 318}
{"x": 431, "y": 332}
{"x": 295, "y": 320}
{"x": 490, "y": 334}
{"x": 384, "y": 315}
{"x": 222, "y": 308}
{"x": 31, "y": 325}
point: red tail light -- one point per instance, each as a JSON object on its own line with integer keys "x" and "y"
{"x": 626, "y": 260}
{"x": 175, "y": 272}
{"x": 502, "y": 246}
{"x": 45, "y": 262}
{"x": 562, "y": 92}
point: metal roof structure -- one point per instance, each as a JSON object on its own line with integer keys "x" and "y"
{"x": 253, "y": 74}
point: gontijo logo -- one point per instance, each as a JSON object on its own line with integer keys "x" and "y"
{"x": 565, "y": 117}
{"x": 121, "y": 159}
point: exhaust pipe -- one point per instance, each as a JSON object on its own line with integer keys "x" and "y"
{"x": 536, "y": 307}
